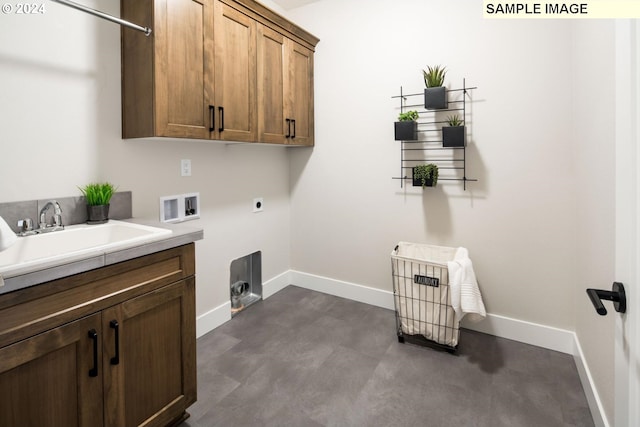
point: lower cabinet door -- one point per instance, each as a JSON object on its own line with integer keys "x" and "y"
{"x": 54, "y": 379}
{"x": 149, "y": 357}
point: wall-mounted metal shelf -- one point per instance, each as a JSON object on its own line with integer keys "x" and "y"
{"x": 428, "y": 148}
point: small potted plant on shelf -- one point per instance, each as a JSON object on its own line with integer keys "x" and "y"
{"x": 435, "y": 94}
{"x": 453, "y": 134}
{"x": 425, "y": 175}
{"x": 98, "y": 196}
{"x": 406, "y": 128}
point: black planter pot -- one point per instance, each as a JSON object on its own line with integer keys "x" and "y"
{"x": 435, "y": 98}
{"x": 453, "y": 136}
{"x": 97, "y": 214}
{"x": 417, "y": 182}
{"x": 406, "y": 131}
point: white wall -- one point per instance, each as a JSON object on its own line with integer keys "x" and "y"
{"x": 60, "y": 127}
{"x": 594, "y": 138}
{"x": 518, "y": 221}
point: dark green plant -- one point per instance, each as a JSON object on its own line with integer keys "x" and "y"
{"x": 98, "y": 193}
{"x": 454, "y": 120}
{"x": 434, "y": 76}
{"x": 426, "y": 173}
{"x": 408, "y": 116}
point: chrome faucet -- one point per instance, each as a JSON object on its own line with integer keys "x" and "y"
{"x": 56, "y": 221}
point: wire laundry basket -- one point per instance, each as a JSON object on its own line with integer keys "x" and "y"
{"x": 422, "y": 296}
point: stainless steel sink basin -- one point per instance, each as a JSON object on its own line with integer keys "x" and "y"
{"x": 74, "y": 242}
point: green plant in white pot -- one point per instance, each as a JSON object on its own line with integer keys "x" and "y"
{"x": 453, "y": 133}
{"x": 98, "y": 197}
{"x": 406, "y": 128}
{"x": 435, "y": 94}
{"x": 425, "y": 175}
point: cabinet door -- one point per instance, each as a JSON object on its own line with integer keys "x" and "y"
{"x": 299, "y": 93}
{"x": 272, "y": 126}
{"x": 183, "y": 71}
{"x": 150, "y": 357}
{"x": 46, "y": 380}
{"x": 235, "y": 75}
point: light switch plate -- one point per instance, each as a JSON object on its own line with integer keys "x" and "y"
{"x": 185, "y": 167}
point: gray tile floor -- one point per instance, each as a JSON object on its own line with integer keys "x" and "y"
{"x": 303, "y": 358}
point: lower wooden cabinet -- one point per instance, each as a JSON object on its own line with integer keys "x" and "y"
{"x": 47, "y": 380}
{"x": 131, "y": 362}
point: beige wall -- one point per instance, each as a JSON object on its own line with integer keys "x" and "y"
{"x": 60, "y": 128}
{"x": 518, "y": 221}
{"x": 594, "y": 139}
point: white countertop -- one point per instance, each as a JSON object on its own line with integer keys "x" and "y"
{"x": 18, "y": 276}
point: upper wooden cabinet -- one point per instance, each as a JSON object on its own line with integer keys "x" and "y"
{"x": 285, "y": 89}
{"x": 299, "y": 94}
{"x": 167, "y": 77}
{"x": 235, "y": 106}
{"x": 208, "y": 72}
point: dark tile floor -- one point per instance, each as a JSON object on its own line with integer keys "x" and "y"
{"x": 303, "y": 358}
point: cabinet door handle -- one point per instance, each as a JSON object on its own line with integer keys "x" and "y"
{"x": 221, "y": 112}
{"x": 294, "y": 128}
{"x": 288, "y": 135}
{"x": 93, "y": 372}
{"x": 115, "y": 360}
{"x": 212, "y": 118}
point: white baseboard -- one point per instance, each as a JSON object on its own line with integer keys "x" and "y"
{"x": 530, "y": 333}
{"x": 215, "y": 317}
{"x": 595, "y": 404}
{"x": 279, "y": 282}
{"x": 339, "y": 288}
{"x": 210, "y": 320}
{"x": 501, "y": 326}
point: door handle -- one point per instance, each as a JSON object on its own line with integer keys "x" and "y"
{"x": 93, "y": 335}
{"x": 616, "y": 294}
{"x": 221, "y": 112}
{"x": 115, "y": 360}
{"x": 212, "y": 118}
{"x": 288, "y": 135}
{"x": 294, "y": 128}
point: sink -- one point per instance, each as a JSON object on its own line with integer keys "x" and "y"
{"x": 73, "y": 243}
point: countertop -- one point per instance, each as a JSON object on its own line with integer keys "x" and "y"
{"x": 181, "y": 234}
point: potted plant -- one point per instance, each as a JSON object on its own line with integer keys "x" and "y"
{"x": 435, "y": 94}
{"x": 425, "y": 175}
{"x": 406, "y": 128}
{"x": 453, "y": 134}
{"x": 98, "y": 196}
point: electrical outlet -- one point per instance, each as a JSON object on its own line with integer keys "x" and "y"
{"x": 185, "y": 167}
{"x": 258, "y": 204}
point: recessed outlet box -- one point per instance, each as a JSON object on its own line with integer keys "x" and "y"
{"x": 191, "y": 206}
{"x": 170, "y": 209}
{"x": 258, "y": 204}
{"x": 180, "y": 208}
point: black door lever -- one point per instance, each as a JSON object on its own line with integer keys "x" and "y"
{"x": 616, "y": 294}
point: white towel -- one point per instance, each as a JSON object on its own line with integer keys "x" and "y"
{"x": 7, "y": 236}
{"x": 465, "y": 294}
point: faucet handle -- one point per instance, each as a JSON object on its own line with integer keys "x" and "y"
{"x": 25, "y": 224}
{"x": 57, "y": 220}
